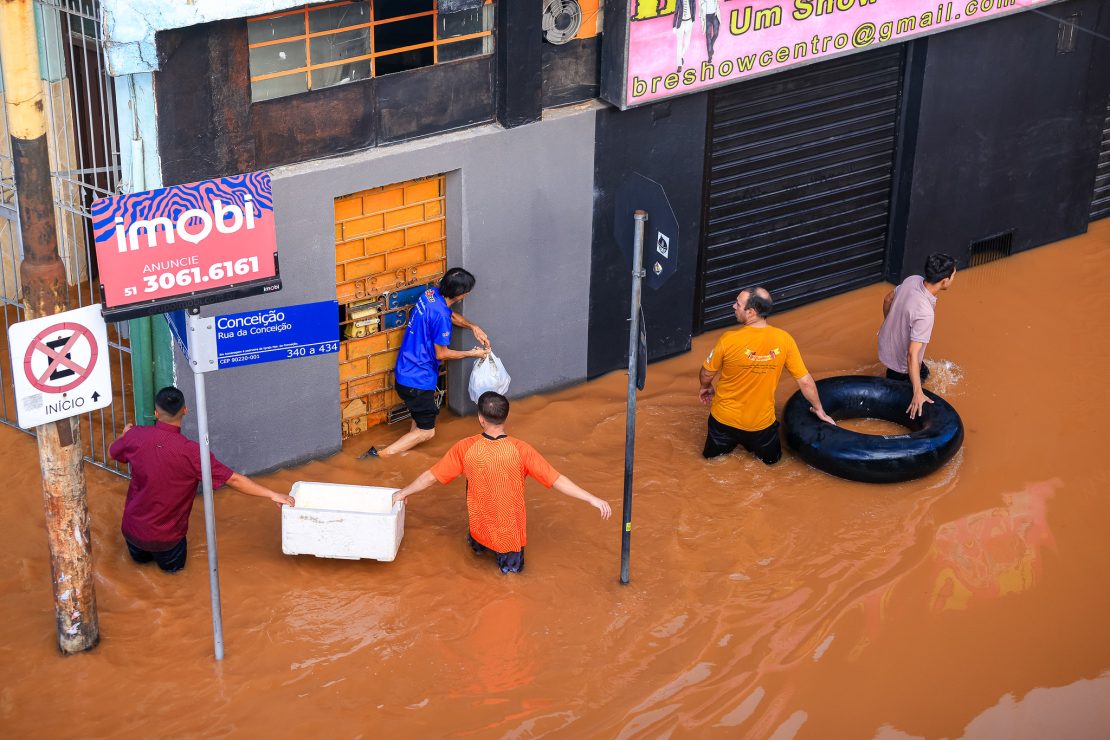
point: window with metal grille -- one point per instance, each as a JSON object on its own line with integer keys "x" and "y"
{"x": 326, "y": 45}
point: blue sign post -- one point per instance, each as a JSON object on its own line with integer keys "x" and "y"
{"x": 269, "y": 335}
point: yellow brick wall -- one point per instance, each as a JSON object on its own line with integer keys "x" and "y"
{"x": 386, "y": 239}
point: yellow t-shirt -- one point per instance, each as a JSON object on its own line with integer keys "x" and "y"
{"x": 750, "y": 362}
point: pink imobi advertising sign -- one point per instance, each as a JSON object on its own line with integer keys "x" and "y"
{"x": 185, "y": 245}
{"x": 674, "y": 47}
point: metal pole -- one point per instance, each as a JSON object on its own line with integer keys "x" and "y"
{"x": 209, "y": 504}
{"x": 42, "y": 275}
{"x": 630, "y": 418}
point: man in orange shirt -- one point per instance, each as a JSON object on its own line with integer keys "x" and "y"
{"x": 495, "y": 466}
{"x": 747, "y": 364}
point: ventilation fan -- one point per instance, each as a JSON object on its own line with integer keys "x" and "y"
{"x": 561, "y": 20}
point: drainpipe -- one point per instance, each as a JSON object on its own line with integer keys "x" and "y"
{"x": 142, "y": 363}
{"x": 151, "y": 341}
{"x": 61, "y": 455}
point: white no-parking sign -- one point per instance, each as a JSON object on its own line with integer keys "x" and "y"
{"x": 60, "y": 366}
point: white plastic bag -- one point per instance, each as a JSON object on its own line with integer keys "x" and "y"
{"x": 488, "y": 375}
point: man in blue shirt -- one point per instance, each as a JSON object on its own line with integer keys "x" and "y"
{"x": 425, "y": 345}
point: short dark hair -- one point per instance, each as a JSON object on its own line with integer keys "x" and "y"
{"x": 939, "y": 266}
{"x": 493, "y": 407}
{"x": 170, "y": 400}
{"x": 759, "y": 300}
{"x": 456, "y": 282}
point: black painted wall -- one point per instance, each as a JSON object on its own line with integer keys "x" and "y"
{"x": 665, "y": 143}
{"x": 519, "y": 62}
{"x": 1006, "y": 136}
{"x": 571, "y": 71}
{"x": 208, "y": 126}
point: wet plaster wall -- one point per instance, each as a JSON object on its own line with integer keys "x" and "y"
{"x": 519, "y": 216}
{"x": 1006, "y": 137}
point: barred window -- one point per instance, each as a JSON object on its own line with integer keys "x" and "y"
{"x": 331, "y": 44}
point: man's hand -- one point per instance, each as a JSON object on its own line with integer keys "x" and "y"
{"x": 820, "y": 414}
{"x": 603, "y": 507}
{"x": 126, "y": 429}
{"x": 397, "y": 497}
{"x": 480, "y": 336}
{"x": 918, "y": 403}
{"x": 283, "y": 499}
{"x": 478, "y": 352}
{"x": 705, "y": 395}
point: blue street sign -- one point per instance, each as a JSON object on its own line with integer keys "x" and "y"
{"x": 274, "y": 334}
{"x": 269, "y": 335}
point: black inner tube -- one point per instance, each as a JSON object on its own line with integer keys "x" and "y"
{"x": 930, "y": 440}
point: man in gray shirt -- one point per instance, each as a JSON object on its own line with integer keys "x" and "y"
{"x": 908, "y": 325}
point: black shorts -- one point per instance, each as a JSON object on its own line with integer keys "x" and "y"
{"x": 723, "y": 439}
{"x": 508, "y": 562}
{"x": 421, "y": 405}
{"x": 171, "y": 560}
{"x": 904, "y": 377}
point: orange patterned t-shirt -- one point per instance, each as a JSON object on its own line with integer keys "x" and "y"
{"x": 495, "y": 471}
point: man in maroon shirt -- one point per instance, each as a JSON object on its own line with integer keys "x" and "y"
{"x": 165, "y": 471}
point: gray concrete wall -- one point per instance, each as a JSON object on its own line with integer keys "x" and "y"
{"x": 519, "y": 216}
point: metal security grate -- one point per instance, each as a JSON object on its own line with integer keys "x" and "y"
{"x": 800, "y": 172}
{"x": 391, "y": 243}
{"x": 990, "y": 249}
{"x": 85, "y": 165}
{"x": 1100, "y": 203}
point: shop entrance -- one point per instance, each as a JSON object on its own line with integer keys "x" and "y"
{"x": 390, "y": 243}
{"x": 800, "y": 167}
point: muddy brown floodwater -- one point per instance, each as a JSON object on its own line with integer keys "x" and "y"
{"x": 764, "y": 602}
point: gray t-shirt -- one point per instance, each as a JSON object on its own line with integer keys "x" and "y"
{"x": 910, "y": 320}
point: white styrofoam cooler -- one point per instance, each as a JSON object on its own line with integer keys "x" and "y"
{"x": 331, "y": 520}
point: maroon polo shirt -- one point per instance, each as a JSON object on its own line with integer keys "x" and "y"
{"x": 165, "y": 470}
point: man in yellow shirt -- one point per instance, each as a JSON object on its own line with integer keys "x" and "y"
{"x": 747, "y": 364}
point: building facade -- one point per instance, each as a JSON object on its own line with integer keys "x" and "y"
{"x": 404, "y": 136}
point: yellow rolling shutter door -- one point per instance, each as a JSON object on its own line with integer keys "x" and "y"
{"x": 389, "y": 242}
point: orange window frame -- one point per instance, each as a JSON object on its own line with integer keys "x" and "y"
{"x": 590, "y": 11}
{"x": 373, "y": 56}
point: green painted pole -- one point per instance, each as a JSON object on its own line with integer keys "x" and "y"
{"x": 162, "y": 351}
{"x": 142, "y": 371}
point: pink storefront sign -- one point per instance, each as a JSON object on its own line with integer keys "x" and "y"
{"x": 185, "y": 245}
{"x": 675, "y": 47}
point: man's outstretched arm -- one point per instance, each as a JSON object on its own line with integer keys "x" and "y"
{"x": 809, "y": 389}
{"x": 464, "y": 323}
{"x": 566, "y": 486}
{"x": 243, "y": 484}
{"x": 425, "y": 480}
{"x": 446, "y": 353}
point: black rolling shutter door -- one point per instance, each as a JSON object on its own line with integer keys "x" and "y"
{"x": 800, "y": 172}
{"x": 1100, "y": 204}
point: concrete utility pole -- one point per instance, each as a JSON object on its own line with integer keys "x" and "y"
{"x": 61, "y": 456}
